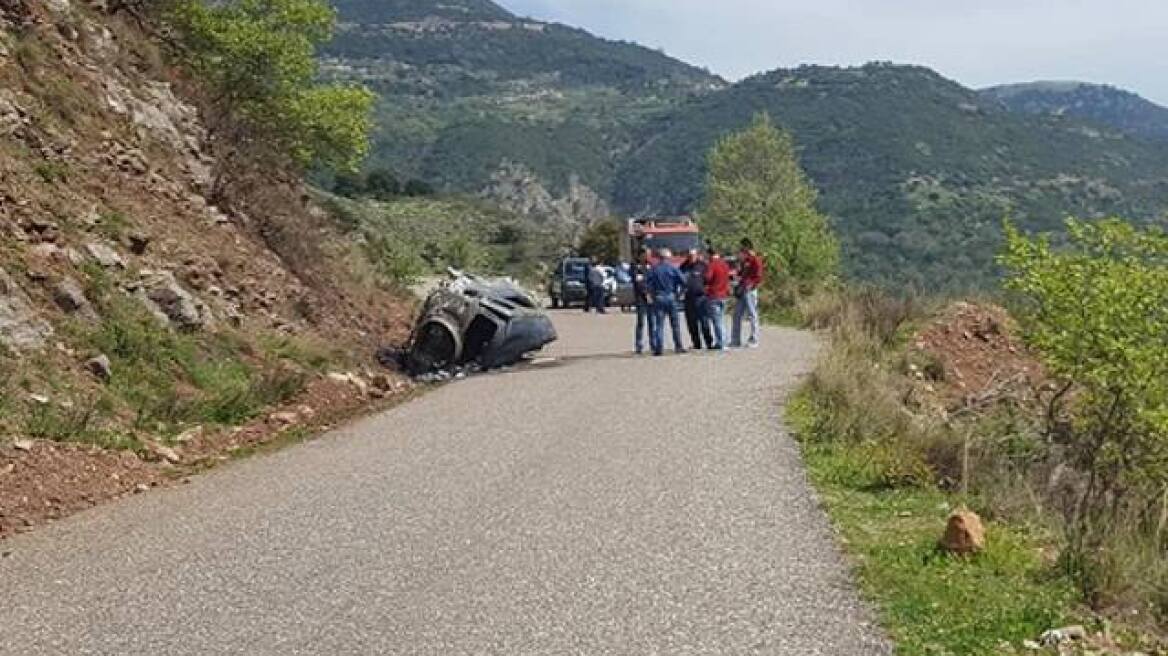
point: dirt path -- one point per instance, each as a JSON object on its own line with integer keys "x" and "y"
{"x": 599, "y": 504}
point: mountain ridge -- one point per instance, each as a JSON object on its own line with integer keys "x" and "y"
{"x": 917, "y": 170}
{"x": 464, "y": 92}
{"x": 1104, "y": 104}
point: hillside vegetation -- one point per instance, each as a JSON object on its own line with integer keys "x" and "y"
{"x": 916, "y": 171}
{"x": 148, "y": 314}
{"x": 407, "y": 238}
{"x": 464, "y": 87}
{"x": 1098, "y": 103}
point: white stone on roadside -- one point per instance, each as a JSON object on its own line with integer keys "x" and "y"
{"x": 189, "y": 435}
{"x": 23, "y": 445}
{"x": 163, "y": 452}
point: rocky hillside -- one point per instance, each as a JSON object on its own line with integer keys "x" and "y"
{"x": 1097, "y": 103}
{"x": 151, "y": 329}
{"x": 466, "y": 86}
{"x": 916, "y": 170}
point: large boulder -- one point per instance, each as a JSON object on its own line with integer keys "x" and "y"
{"x": 70, "y": 297}
{"x": 964, "y": 533}
{"x": 20, "y": 327}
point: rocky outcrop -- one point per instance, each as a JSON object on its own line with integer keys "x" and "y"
{"x": 517, "y": 189}
{"x": 70, "y": 297}
{"x": 20, "y": 327}
{"x": 170, "y": 302}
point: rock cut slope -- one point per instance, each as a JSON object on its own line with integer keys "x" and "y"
{"x": 131, "y": 310}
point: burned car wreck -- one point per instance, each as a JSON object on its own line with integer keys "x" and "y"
{"x": 473, "y": 321}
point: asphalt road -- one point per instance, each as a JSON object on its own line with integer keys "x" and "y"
{"x": 597, "y": 504}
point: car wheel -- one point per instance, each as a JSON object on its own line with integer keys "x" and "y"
{"x": 555, "y": 303}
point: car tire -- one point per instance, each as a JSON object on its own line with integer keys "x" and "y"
{"x": 555, "y": 303}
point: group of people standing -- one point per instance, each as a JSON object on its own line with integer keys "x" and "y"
{"x": 700, "y": 288}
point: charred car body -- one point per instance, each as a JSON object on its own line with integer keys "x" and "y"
{"x": 474, "y": 321}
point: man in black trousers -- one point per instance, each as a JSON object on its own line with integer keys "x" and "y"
{"x": 696, "y": 305}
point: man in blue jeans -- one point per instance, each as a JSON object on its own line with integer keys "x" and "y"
{"x": 640, "y": 274}
{"x": 750, "y": 273}
{"x": 665, "y": 284}
{"x": 717, "y": 291}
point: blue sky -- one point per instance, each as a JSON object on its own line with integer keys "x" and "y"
{"x": 976, "y": 42}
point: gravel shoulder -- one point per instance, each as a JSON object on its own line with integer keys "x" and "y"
{"x": 595, "y": 504}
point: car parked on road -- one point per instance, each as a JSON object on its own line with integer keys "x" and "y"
{"x": 566, "y": 284}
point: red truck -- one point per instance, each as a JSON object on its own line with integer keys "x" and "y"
{"x": 678, "y": 234}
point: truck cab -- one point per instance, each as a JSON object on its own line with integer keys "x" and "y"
{"x": 678, "y": 234}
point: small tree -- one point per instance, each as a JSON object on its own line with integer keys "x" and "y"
{"x": 601, "y": 240}
{"x": 257, "y": 59}
{"x": 1097, "y": 313}
{"x": 755, "y": 188}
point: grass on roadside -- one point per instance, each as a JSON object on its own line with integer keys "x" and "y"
{"x": 930, "y": 603}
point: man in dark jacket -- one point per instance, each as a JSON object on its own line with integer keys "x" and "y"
{"x": 665, "y": 283}
{"x": 640, "y": 274}
{"x": 588, "y": 295}
{"x": 696, "y": 309}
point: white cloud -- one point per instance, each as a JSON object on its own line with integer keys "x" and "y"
{"x": 977, "y": 42}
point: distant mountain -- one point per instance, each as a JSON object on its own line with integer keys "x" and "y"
{"x": 1097, "y": 103}
{"x": 467, "y": 86}
{"x": 374, "y": 11}
{"x": 916, "y": 170}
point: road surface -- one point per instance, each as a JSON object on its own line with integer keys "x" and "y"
{"x": 598, "y": 504}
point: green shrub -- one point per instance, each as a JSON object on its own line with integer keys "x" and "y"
{"x": 257, "y": 60}
{"x": 52, "y": 172}
{"x": 1095, "y": 311}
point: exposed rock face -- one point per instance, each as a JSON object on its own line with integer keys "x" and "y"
{"x": 105, "y": 256}
{"x": 20, "y": 327}
{"x": 517, "y": 189}
{"x": 70, "y": 297}
{"x": 12, "y": 116}
{"x": 964, "y": 534}
{"x": 100, "y": 367}
{"x": 172, "y": 303}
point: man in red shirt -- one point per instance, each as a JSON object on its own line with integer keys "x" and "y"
{"x": 750, "y": 274}
{"x": 717, "y": 291}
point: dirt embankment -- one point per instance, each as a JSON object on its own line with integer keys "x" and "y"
{"x": 144, "y": 332}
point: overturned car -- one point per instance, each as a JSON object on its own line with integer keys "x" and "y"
{"x": 470, "y": 320}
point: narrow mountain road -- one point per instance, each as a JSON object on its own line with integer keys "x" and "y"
{"x": 598, "y": 504}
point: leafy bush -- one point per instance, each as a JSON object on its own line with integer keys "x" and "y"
{"x": 257, "y": 58}
{"x": 1096, "y": 311}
